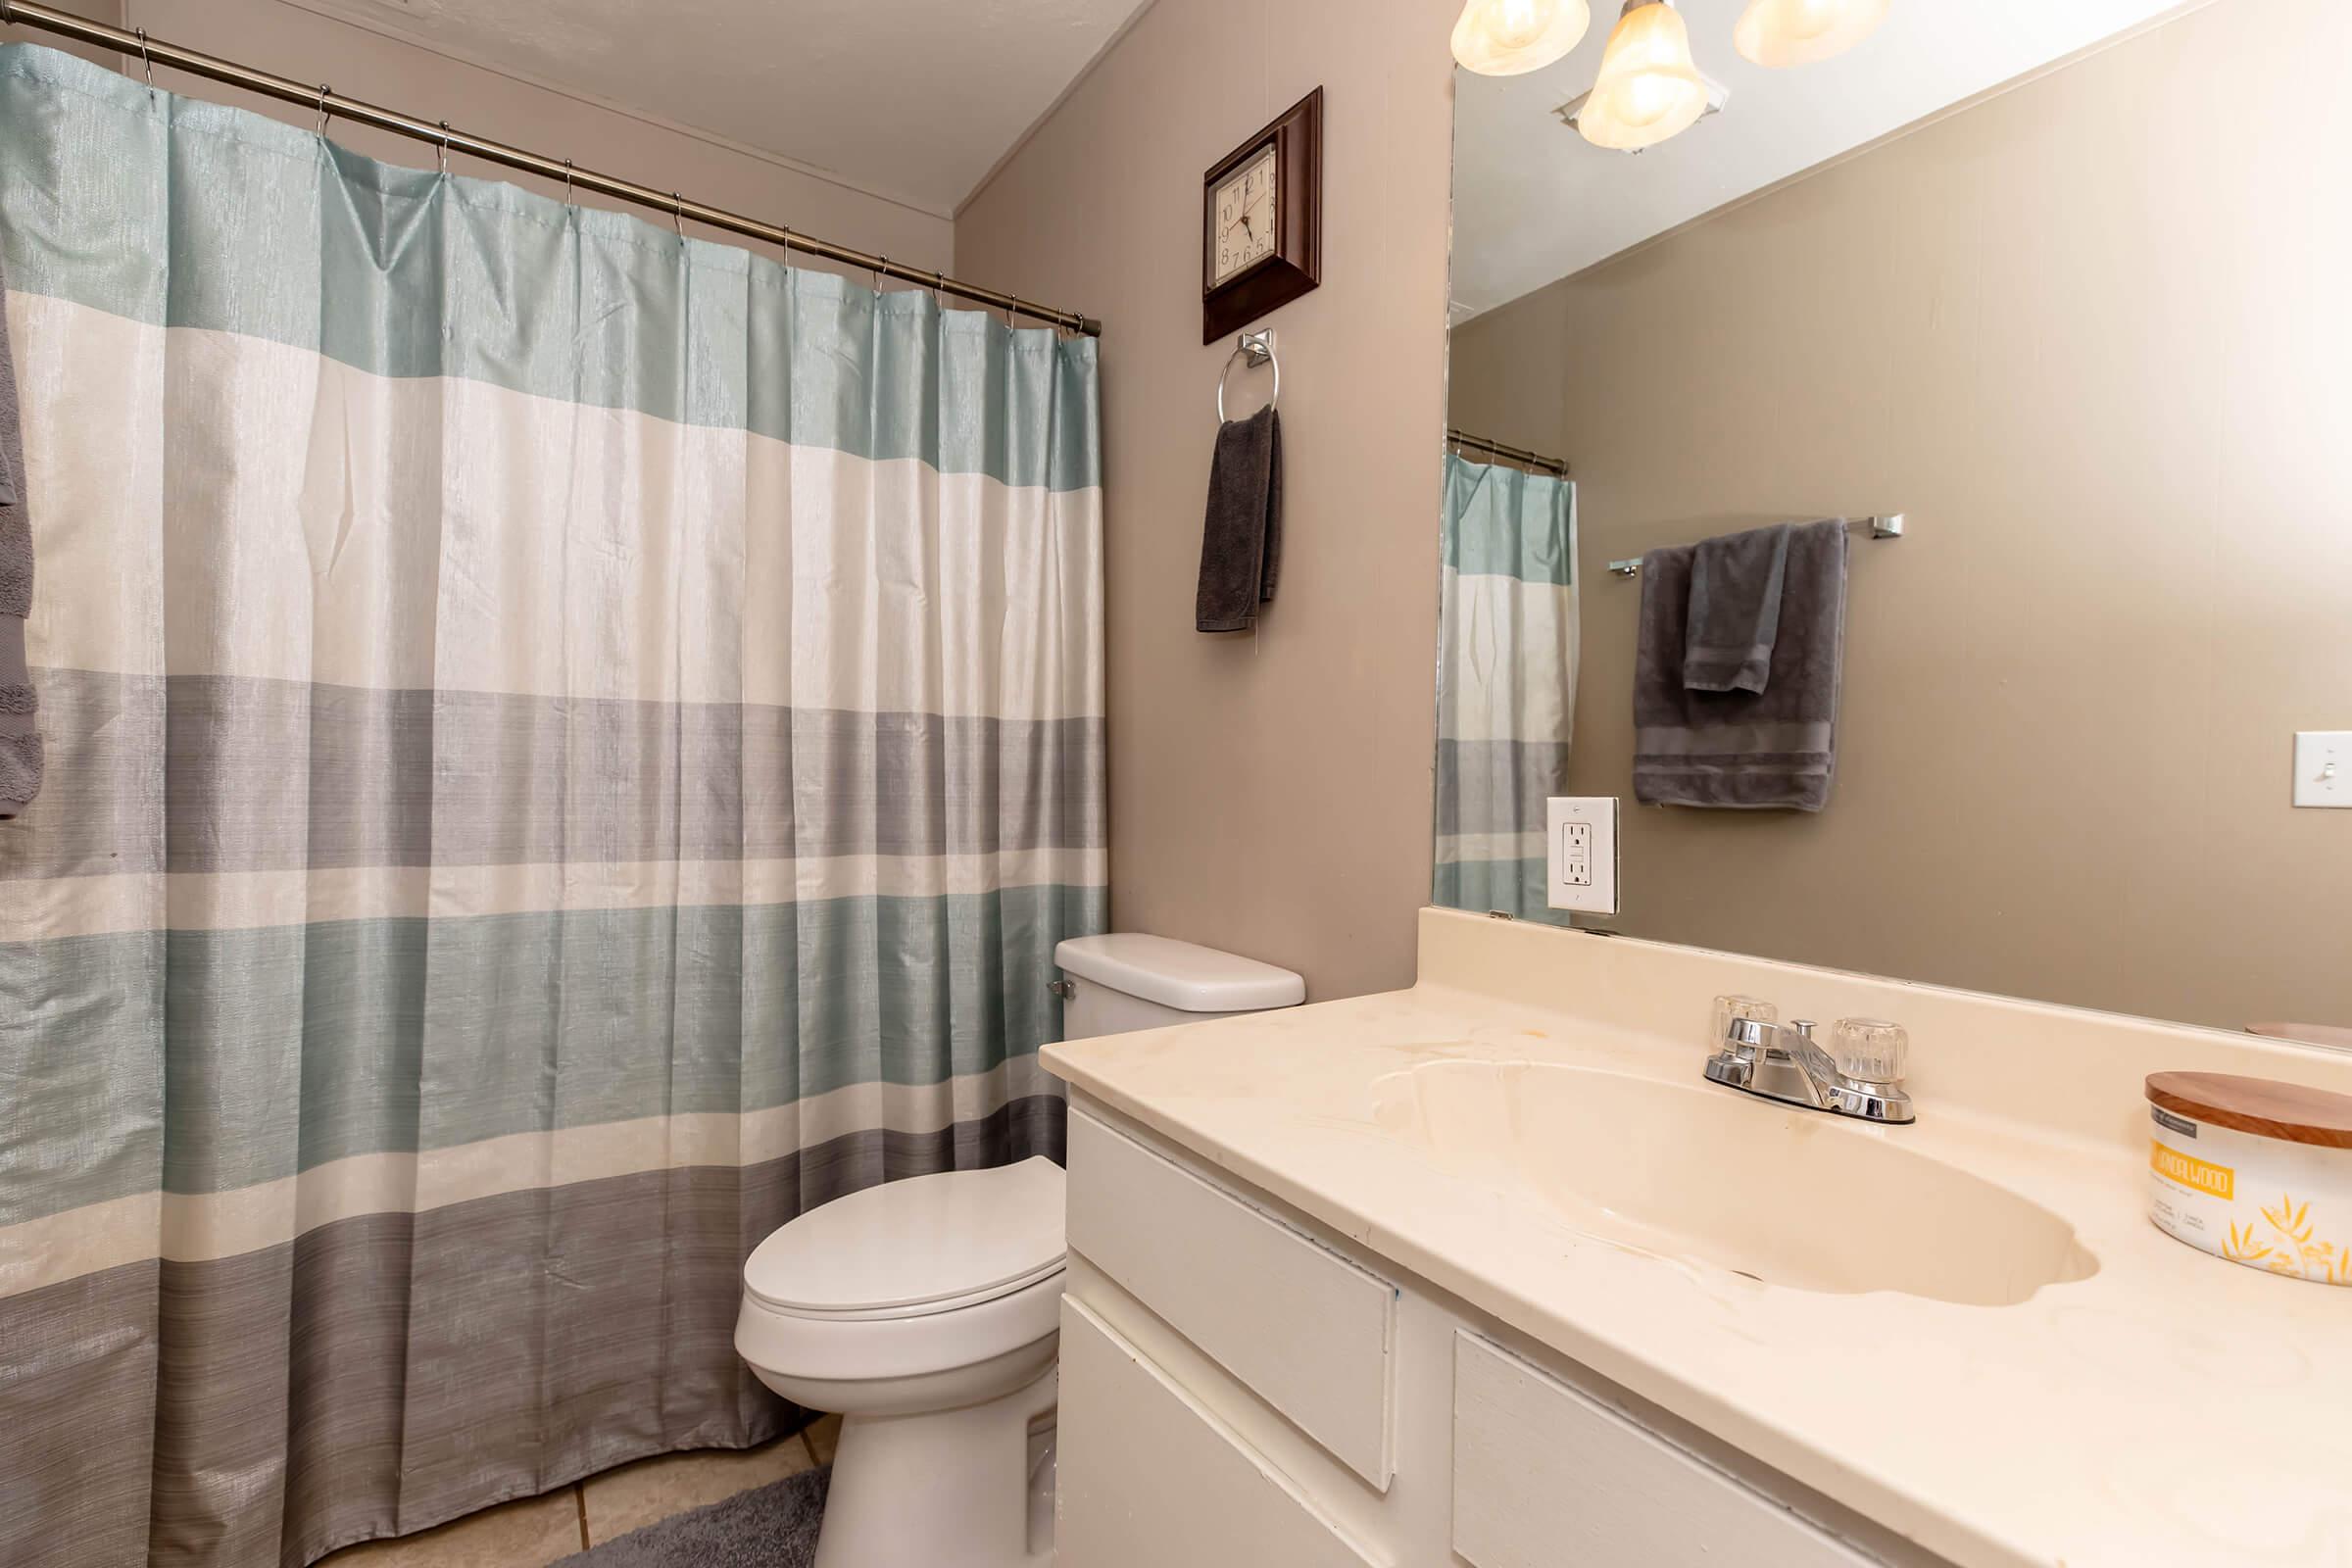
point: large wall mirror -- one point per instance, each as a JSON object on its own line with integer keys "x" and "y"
{"x": 2068, "y": 287}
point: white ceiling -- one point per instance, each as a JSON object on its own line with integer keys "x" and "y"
{"x": 911, "y": 99}
{"x": 1533, "y": 203}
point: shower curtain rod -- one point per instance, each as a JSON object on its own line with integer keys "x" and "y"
{"x": 332, "y": 105}
{"x": 1532, "y": 460}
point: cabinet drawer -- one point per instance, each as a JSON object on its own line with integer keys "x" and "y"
{"x": 1307, "y": 1330}
{"x": 1147, "y": 1479}
{"x": 1544, "y": 1476}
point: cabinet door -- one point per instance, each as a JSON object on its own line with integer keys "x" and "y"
{"x": 1307, "y": 1331}
{"x": 1546, "y": 1477}
{"x": 1147, "y": 1479}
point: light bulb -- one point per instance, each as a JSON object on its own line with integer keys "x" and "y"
{"x": 1511, "y": 37}
{"x": 1650, "y": 88}
{"x": 1799, "y": 32}
{"x": 1517, "y": 24}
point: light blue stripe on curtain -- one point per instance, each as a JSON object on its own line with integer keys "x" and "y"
{"x": 568, "y": 748}
{"x": 407, "y": 273}
{"x": 1507, "y": 683}
{"x": 360, "y": 1012}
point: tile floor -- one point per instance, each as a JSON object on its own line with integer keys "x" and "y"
{"x": 533, "y": 1531}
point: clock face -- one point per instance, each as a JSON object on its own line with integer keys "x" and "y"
{"x": 1245, "y": 210}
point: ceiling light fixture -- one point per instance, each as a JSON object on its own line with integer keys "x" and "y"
{"x": 1797, "y": 32}
{"x": 1511, "y": 37}
{"x": 1650, "y": 87}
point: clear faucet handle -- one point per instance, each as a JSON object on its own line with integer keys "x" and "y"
{"x": 1870, "y": 1050}
{"x": 1731, "y": 1010}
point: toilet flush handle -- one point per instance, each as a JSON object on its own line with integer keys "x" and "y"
{"x": 1063, "y": 989}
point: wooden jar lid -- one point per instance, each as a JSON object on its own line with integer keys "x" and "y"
{"x": 2262, "y": 1107}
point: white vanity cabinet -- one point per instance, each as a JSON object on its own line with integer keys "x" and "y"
{"x": 1240, "y": 1389}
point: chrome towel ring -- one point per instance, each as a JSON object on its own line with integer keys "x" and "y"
{"x": 1253, "y": 349}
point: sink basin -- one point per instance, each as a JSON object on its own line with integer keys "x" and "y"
{"x": 1791, "y": 1198}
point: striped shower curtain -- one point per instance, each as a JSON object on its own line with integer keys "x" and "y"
{"x": 567, "y": 747}
{"x": 1507, "y": 683}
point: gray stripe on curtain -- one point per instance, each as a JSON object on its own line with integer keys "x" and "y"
{"x": 277, "y": 1385}
{"x": 78, "y": 1383}
{"x": 289, "y": 775}
{"x": 1497, "y": 786}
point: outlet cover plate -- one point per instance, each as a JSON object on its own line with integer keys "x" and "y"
{"x": 1579, "y": 853}
{"x": 2324, "y": 768}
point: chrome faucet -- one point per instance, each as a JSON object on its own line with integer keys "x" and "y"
{"x": 1783, "y": 1061}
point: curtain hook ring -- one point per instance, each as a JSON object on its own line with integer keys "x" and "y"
{"x": 677, "y": 215}
{"x": 146, "y": 59}
{"x": 1010, "y": 310}
{"x": 875, "y": 273}
{"x": 568, "y": 183}
{"x": 938, "y": 290}
{"x": 323, "y": 92}
{"x": 444, "y": 147}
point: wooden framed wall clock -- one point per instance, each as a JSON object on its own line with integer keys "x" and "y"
{"x": 1261, "y": 222}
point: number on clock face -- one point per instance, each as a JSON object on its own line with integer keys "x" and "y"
{"x": 1245, "y": 211}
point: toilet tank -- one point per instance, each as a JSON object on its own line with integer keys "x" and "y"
{"x": 1128, "y": 980}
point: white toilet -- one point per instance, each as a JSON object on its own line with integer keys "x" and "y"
{"x": 926, "y": 1310}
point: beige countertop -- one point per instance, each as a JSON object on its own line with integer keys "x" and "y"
{"x": 2170, "y": 1408}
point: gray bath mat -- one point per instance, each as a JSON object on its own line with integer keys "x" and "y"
{"x": 768, "y": 1527}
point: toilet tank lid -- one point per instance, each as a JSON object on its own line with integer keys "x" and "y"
{"x": 1178, "y": 974}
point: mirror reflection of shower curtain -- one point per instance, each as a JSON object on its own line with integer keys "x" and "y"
{"x": 1507, "y": 683}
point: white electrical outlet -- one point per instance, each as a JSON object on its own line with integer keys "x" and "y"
{"x": 1580, "y": 852}
{"x": 2324, "y": 768}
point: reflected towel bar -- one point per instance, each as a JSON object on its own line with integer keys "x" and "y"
{"x": 1890, "y": 527}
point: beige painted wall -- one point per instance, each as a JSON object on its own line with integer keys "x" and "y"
{"x": 2095, "y": 345}
{"x": 372, "y": 65}
{"x": 1269, "y": 795}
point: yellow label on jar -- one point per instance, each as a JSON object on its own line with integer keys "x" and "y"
{"x": 2191, "y": 1172}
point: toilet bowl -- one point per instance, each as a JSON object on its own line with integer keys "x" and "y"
{"x": 926, "y": 1310}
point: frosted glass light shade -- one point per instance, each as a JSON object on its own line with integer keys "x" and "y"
{"x": 1511, "y": 37}
{"x": 1650, "y": 88}
{"x": 1797, "y": 32}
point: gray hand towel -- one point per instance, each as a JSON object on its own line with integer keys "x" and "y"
{"x": 1735, "y": 610}
{"x": 19, "y": 735}
{"x": 1240, "y": 542}
{"x": 1748, "y": 751}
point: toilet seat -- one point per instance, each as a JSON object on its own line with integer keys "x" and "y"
{"x": 924, "y": 1245}
{"x": 911, "y": 1278}
{"x": 926, "y": 1307}
{"x": 844, "y": 1348}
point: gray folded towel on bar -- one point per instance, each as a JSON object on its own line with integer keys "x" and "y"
{"x": 1735, "y": 610}
{"x": 19, "y": 734}
{"x": 1744, "y": 751}
{"x": 1240, "y": 542}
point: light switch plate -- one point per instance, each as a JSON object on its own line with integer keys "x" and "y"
{"x": 1580, "y": 852}
{"x": 2324, "y": 768}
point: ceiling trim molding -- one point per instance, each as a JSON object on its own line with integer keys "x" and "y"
{"x": 1004, "y": 158}
{"x": 349, "y": 14}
